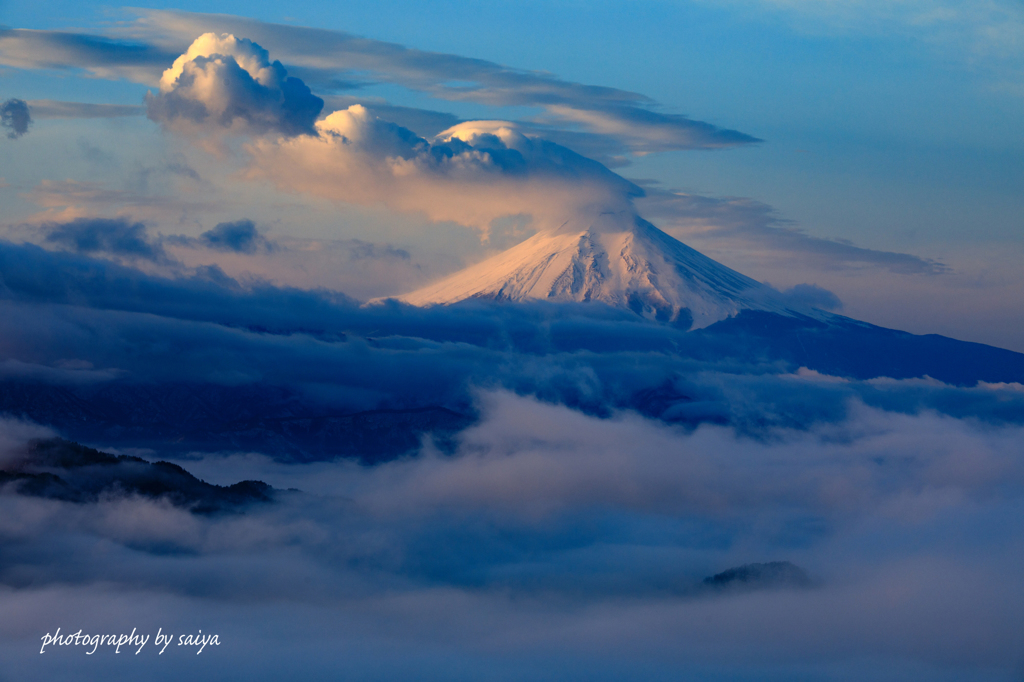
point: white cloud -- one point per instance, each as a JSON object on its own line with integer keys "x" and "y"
{"x": 230, "y": 83}
{"x": 533, "y": 459}
{"x": 471, "y": 174}
{"x": 563, "y": 538}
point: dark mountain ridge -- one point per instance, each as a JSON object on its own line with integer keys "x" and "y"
{"x": 59, "y": 469}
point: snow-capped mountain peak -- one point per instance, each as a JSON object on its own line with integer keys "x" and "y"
{"x": 618, "y": 259}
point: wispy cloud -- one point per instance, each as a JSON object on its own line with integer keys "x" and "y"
{"x": 48, "y": 108}
{"x": 69, "y": 199}
{"x": 742, "y": 224}
{"x": 102, "y": 56}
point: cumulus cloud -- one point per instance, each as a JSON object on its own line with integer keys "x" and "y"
{"x": 230, "y": 83}
{"x": 15, "y": 116}
{"x": 473, "y": 173}
{"x": 426, "y": 122}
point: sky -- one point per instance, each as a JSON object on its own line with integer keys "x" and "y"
{"x": 859, "y": 130}
{"x": 207, "y": 209}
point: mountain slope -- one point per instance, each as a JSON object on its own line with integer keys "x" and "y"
{"x": 619, "y": 259}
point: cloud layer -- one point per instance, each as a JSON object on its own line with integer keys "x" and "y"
{"x": 472, "y": 174}
{"x": 556, "y": 542}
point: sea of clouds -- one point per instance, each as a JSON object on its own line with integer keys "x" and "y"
{"x": 554, "y": 544}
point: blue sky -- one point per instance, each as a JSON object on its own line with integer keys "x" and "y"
{"x": 895, "y": 127}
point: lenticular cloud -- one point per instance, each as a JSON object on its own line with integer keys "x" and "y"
{"x": 223, "y": 82}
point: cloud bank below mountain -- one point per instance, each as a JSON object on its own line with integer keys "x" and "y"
{"x": 556, "y": 537}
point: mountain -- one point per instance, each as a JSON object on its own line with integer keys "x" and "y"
{"x": 676, "y": 325}
{"x": 58, "y": 469}
{"x": 181, "y": 417}
{"x": 622, "y": 260}
{"x": 619, "y": 259}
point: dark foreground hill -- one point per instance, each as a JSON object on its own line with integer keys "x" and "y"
{"x": 61, "y": 470}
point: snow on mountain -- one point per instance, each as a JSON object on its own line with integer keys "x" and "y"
{"x": 619, "y": 259}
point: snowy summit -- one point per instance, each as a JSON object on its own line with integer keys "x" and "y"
{"x": 619, "y": 259}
